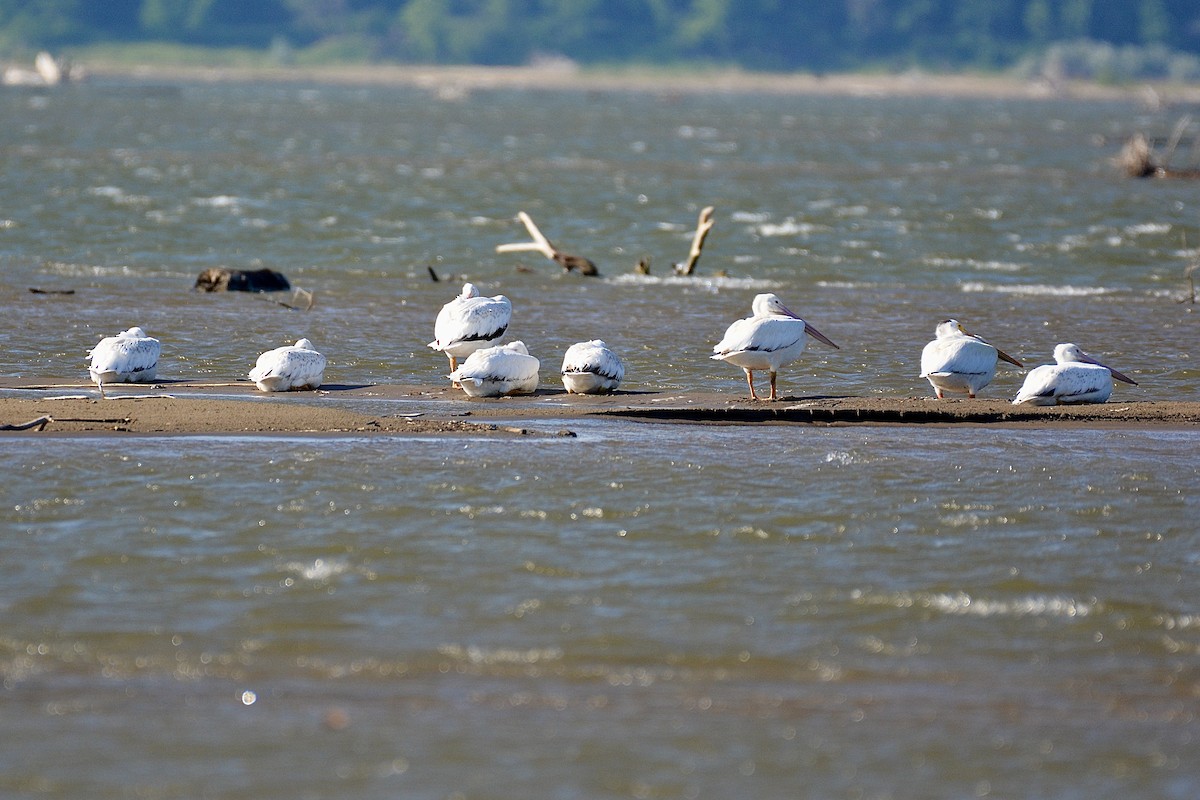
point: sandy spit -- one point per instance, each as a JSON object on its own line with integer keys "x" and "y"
{"x": 192, "y": 408}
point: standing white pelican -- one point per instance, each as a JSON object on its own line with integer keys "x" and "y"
{"x": 771, "y": 338}
{"x": 470, "y": 322}
{"x": 957, "y": 361}
{"x": 497, "y": 371}
{"x": 591, "y": 368}
{"x": 297, "y": 366}
{"x": 1075, "y": 377}
{"x": 131, "y": 356}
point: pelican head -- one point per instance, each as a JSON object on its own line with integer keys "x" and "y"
{"x": 134, "y": 333}
{"x": 765, "y": 305}
{"x": 304, "y": 344}
{"x": 949, "y": 327}
{"x": 1068, "y": 353}
{"x": 769, "y": 305}
{"x": 469, "y": 290}
{"x": 952, "y": 327}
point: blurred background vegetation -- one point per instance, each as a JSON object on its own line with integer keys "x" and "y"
{"x": 1109, "y": 40}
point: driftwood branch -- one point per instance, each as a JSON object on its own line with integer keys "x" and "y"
{"x": 1140, "y": 159}
{"x": 703, "y": 225}
{"x": 1181, "y": 127}
{"x": 309, "y": 300}
{"x": 309, "y": 297}
{"x": 39, "y": 423}
{"x": 540, "y": 244}
{"x": 1189, "y": 273}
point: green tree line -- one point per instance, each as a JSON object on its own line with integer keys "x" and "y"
{"x": 810, "y": 35}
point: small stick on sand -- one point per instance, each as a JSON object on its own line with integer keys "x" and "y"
{"x": 703, "y": 225}
{"x": 40, "y": 423}
{"x": 541, "y": 244}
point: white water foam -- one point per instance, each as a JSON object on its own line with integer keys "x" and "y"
{"x": 1037, "y": 289}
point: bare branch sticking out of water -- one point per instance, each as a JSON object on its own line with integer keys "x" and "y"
{"x": 309, "y": 300}
{"x": 540, "y": 244}
{"x": 703, "y": 225}
{"x": 1190, "y": 274}
{"x": 1181, "y": 126}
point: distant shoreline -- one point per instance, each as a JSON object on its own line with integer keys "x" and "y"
{"x": 451, "y": 82}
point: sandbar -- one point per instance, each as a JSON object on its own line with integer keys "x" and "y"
{"x": 184, "y": 407}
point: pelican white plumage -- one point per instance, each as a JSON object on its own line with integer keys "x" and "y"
{"x": 772, "y": 337}
{"x": 131, "y": 357}
{"x": 591, "y": 368}
{"x": 1075, "y": 377}
{"x": 294, "y": 367}
{"x": 470, "y": 322}
{"x": 498, "y": 371}
{"x": 958, "y": 361}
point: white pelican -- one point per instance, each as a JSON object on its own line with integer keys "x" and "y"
{"x": 470, "y": 322}
{"x": 131, "y": 356}
{"x": 771, "y": 338}
{"x": 591, "y": 368}
{"x": 957, "y": 361}
{"x": 497, "y": 371}
{"x": 297, "y": 366}
{"x": 1076, "y": 377}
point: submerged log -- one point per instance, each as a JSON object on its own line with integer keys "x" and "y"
{"x": 220, "y": 279}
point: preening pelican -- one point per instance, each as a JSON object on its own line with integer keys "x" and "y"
{"x": 470, "y": 322}
{"x": 591, "y": 368}
{"x": 497, "y": 371}
{"x": 957, "y": 361}
{"x": 1075, "y": 377}
{"x": 130, "y": 356}
{"x": 771, "y": 338}
{"x": 297, "y": 366}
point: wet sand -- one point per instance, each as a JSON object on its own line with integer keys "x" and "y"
{"x": 237, "y": 408}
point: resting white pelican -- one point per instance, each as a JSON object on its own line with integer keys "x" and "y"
{"x": 591, "y": 368}
{"x": 130, "y": 356}
{"x": 297, "y": 366}
{"x": 771, "y": 338}
{"x": 497, "y": 371}
{"x": 1076, "y": 377}
{"x": 470, "y": 322}
{"x": 957, "y": 361}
